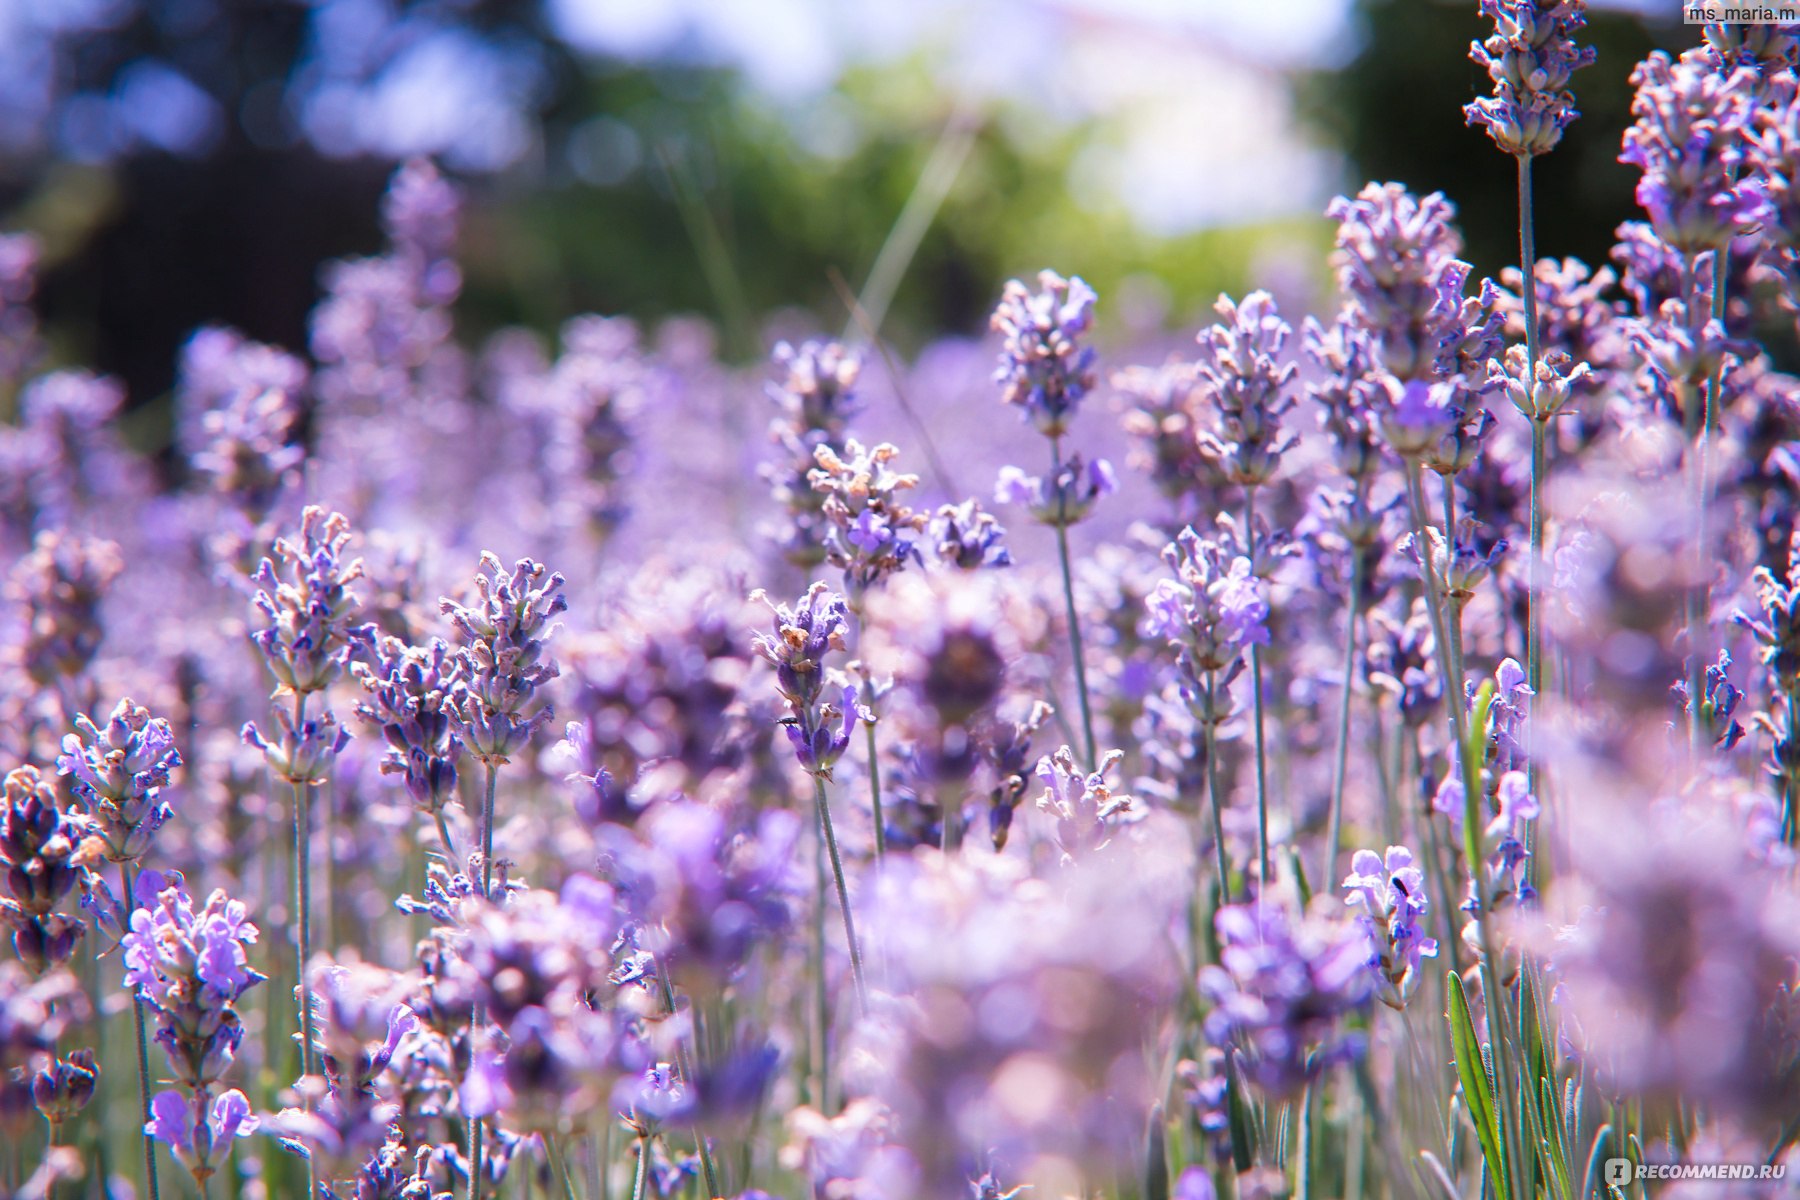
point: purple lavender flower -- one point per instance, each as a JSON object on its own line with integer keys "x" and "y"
{"x": 504, "y": 635}
{"x": 411, "y": 693}
{"x": 964, "y": 536}
{"x": 38, "y": 851}
{"x": 1005, "y": 746}
{"x": 1044, "y": 367}
{"x": 870, "y": 531}
{"x": 1392, "y": 251}
{"x": 1082, "y": 803}
{"x": 308, "y": 603}
{"x": 803, "y": 636}
{"x": 1718, "y": 703}
{"x": 119, "y": 772}
{"x": 199, "y": 1135}
{"x": 1530, "y": 57}
{"x": 240, "y": 417}
{"x": 1165, "y": 415}
{"x": 1212, "y": 610}
{"x": 1241, "y": 374}
{"x": 1690, "y": 141}
{"x": 65, "y": 1087}
{"x": 1391, "y": 894}
{"x": 1063, "y": 500}
{"x": 1281, "y": 990}
{"x": 60, "y": 585}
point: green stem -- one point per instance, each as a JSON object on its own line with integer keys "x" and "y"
{"x": 843, "y": 894}
{"x": 1213, "y": 784}
{"x": 303, "y": 944}
{"x": 874, "y": 775}
{"x": 599, "y": 1151}
{"x": 640, "y": 1181}
{"x": 143, "y": 1045}
{"x": 821, "y": 996}
{"x": 1256, "y": 704}
{"x": 559, "y": 1165}
{"x": 1340, "y": 766}
{"x": 479, "y": 1018}
{"x": 1068, "y": 582}
{"x": 1303, "y": 1189}
{"x": 443, "y": 829}
{"x": 1455, "y": 603}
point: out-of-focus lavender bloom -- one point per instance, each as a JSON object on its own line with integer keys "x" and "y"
{"x": 68, "y": 452}
{"x": 240, "y": 416}
{"x": 1194, "y": 1183}
{"x": 60, "y": 586}
{"x": 1690, "y": 141}
{"x": 1351, "y": 393}
{"x": 1241, "y": 375}
{"x": 1044, "y": 367}
{"x": 706, "y": 886}
{"x": 965, "y": 536}
{"x": 1576, "y": 317}
{"x": 1212, "y": 609}
{"x": 504, "y": 635}
{"x": 1005, "y": 747}
{"x": 35, "y": 1011}
{"x": 38, "y": 847}
{"x": 1530, "y": 57}
{"x": 420, "y": 213}
{"x": 871, "y": 531}
{"x": 540, "y": 967}
{"x": 817, "y": 398}
{"x": 1718, "y": 703}
{"x": 1402, "y": 662}
{"x": 1774, "y": 156}
{"x": 1063, "y": 500}
{"x": 119, "y": 772}
{"x": 1391, "y": 893}
{"x": 65, "y": 1087}
{"x": 1392, "y": 251}
{"x": 1017, "y": 1032}
{"x": 1650, "y": 270}
{"x": 308, "y": 603}
{"x": 1165, "y": 416}
{"x": 1679, "y": 970}
{"x": 846, "y": 1155}
{"x": 199, "y": 1130}
{"x": 1463, "y": 563}
{"x": 1682, "y": 347}
{"x": 1082, "y": 803}
{"x": 1767, "y": 47}
{"x": 19, "y": 343}
{"x": 410, "y": 692}
{"x": 1206, "y": 1089}
{"x": 1281, "y": 989}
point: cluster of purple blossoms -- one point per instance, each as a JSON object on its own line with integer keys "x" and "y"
{"x": 35, "y": 1012}
{"x": 817, "y": 399}
{"x": 1390, "y": 891}
{"x": 190, "y": 967}
{"x": 869, "y": 531}
{"x": 1044, "y": 367}
{"x": 804, "y": 634}
{"x": 1241, "y": 376}
{"x": 39, "y": 853}
{"x": 503, "y": 662}
{"x": 1064, "y": 499}
{"x": 1281, "y": 989}
{"x": 966, "y": 537}
{"x": 1164, "y": 415}
{"x": 60, "y": 585}
{"x": 1531, "y": 57}
{"x": 410, "y": 695}
{"x": 1690, "y": 141}
{"x": 119, "y": 772}
{"x": 1083, "y": 804}
{"x": 1719, "y": 700}
{"x": 240, "y": 418}
{"x": 1212, "y": 610}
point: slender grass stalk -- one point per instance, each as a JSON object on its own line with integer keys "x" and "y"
{"x": 640, "y": 1181}
{"x": 1068, "y": 581}
{"x": 821, "y": 998}
{"x": 443, "y": 829}
{"x": 559, "y": 1166}
{"x": 1455, "y": 605}
{"x": 868, "y": 699}
{"x": 1303, "y": 1168}
{"x": 1256, "y": 704}
{"x": 126, "y": 881}
{"x": 479, "y": 1018}
{"x": 1340, "y": 764}
{"x": 1534, "y": 622}
{"x": 843, "y": 894}
{"x": 1214, "y": 785}
{"x": 596, "y": 1161}
{"x": 303, "y": 921}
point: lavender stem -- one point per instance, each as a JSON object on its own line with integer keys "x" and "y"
{"x": 143, "y": 1046}
{"x": 1068, "y": 582}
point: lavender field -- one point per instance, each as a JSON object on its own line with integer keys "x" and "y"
{"x": 1354, "y": 757}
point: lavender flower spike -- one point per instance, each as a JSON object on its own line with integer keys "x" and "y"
{"x": 119, "y": 772}
{"x": 503, "y": 661}
{"x": 1391, "y": 893}
{"x": 1530, "y": 57}
{"x": 307, "y": 600}
{"x": 1044, "y": 367}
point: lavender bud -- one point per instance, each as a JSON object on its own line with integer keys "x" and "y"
{"x": 1391, "y": 894}
{"x": 1044, "y": 368}
{"x": 1530, "y": 57}
{"x": 1239, "y": 374}
{"x": 308, "y": 603}
{"x": 119, "y": 772}
{"x": 503, "y": 657}
{"x": 1063, "y": 500}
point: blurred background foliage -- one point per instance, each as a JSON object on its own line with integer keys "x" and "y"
{"x": 196, "y": 161}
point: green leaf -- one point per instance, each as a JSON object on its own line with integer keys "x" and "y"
{"x": 1434, "y": 1173}
{"x": 1156, "y": 1158}
{"x": 1243, "y": 1141}
{"x": 1593, "y": 1183}
{"x": 1477, "y": 1085}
